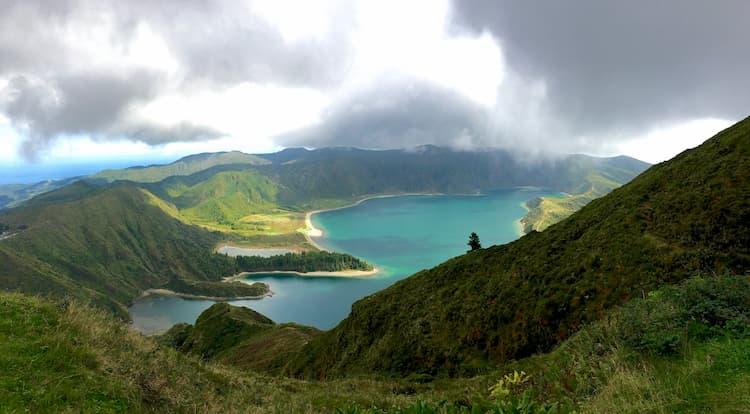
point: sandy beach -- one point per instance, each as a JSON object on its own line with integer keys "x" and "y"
{"x": 234, "y": 251}
{"x": 166, "y": 292}
{"x": 343, "y": 273}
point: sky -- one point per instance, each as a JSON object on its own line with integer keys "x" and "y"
{"x": 107, "y": 80}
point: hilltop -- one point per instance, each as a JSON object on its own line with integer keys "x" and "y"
{"x": 686, "y": 215}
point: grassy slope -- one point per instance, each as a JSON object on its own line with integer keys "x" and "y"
{"x": 61, "y": 356}
{"x": 67, "y": 357}
{"x": 620, "y": 364}
{"x": 691, "y": 213}
{"x": 107, "y": 247}
{"x": 185, "y": 166}
{"x": 225, "y": 200}
{"x": 682, "y": 349}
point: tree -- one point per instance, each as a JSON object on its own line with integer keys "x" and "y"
{"x": 474, "y": 242}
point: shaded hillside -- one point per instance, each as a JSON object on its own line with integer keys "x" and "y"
{"x": 347, "y": 173}
{"x": 107, "y": 245}
{"x": 184, "y": 166}
{"x": 688, "y": 214}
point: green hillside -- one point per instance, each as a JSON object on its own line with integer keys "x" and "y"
{"x": 108, "y": 245}
{"x": 62, "y": 356}
{"x": 223, "y": 201}
{"x": 685, "y": 215}
{"x": 682, "y": 349}
{"x": 184, "y": 166}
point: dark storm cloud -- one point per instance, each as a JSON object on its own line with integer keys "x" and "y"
{"x": 154, "y": 134}
{"x": 625, "y": 66}
{"x": 397, "y": 113}
{"x": 86, "y": 103}
{"x": 218, "y": 43}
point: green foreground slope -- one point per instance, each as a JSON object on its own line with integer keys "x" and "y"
{"x": 682, "y": 349}
{"x": 62, "y": 356}
{"x": 688, "y": 214}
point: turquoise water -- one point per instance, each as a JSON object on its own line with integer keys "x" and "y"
{"x": 398, "y": 235}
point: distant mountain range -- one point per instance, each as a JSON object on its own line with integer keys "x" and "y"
{"x": 357, "y": 172}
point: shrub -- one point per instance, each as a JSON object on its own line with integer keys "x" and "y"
{"x": 701, "y": 308}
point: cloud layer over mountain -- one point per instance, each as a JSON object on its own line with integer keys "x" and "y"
{"x": 580, "y": 76}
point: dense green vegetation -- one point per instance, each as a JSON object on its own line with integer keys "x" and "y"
{"x": 302, "y": 262}
{"x": 222, "y": 290}
{"x": 689, "y": 214}
{"x": 60, "y": 356}
{"x": 620, "y": 364}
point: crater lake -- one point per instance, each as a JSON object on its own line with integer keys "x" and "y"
{"x": 398, "y": 235}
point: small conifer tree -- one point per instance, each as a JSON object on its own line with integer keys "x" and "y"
{"x": 474, "y": 242}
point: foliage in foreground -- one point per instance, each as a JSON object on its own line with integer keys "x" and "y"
{"x": 619, "y": 364}
{"x": 58, "y": 356}
{"x": 62, "y": 356}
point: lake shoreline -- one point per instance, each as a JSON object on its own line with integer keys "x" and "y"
{"x": 343, "y": 274}
{"x": 232, "y": 250}
{"x": 519, "y": 223}
{"x": 166, "y": 292}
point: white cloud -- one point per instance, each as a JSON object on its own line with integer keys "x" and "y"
{"x": 386, "y": 38}
{"x": 247, "y": 113}
{"x": 411, "y": 39}
{"x": 663, "y": 143}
